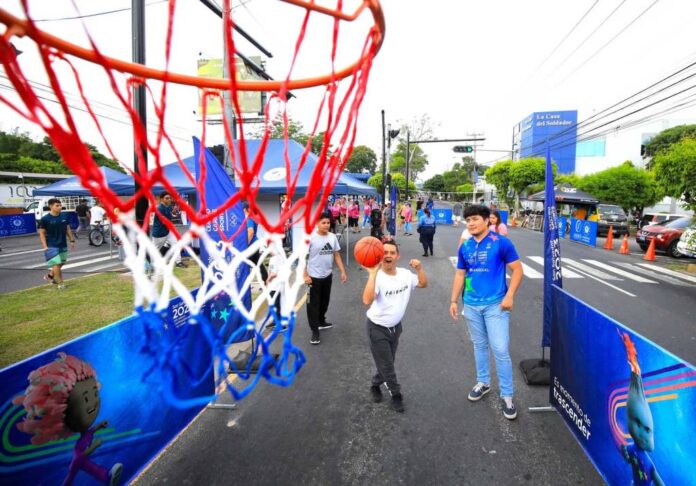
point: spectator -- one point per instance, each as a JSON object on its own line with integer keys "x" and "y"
{"x": 426, "y": 229}
{"x": 54, "y": 228}
{"x": 457, "y": 209}
{"x": 407, "y": 216}
{"x": 496, "y": 224}
{"x": 83, "y": 216}
{"x": 161, "y": 236}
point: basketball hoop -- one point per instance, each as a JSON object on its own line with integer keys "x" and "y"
{"x": 250, "y": 298}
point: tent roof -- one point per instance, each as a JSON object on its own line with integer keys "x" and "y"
{"x": 568, "y": 195}
{"x": 117, "y": 182}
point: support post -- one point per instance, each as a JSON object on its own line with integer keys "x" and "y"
{"x": 384, "y": 158}
{"x": 139, "y": 102}
{"x": 408, "y": 157}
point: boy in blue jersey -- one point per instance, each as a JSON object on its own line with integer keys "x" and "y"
{"x": 160, "y": 233}
{"x": 54, "y": 233}
{"x": 488, "y": 301}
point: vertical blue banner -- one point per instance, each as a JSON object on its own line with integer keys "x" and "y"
{"x": 562, "y": 224}
{"x": 503, "y": 216}
{"x": 552, "y": 249}
{"x": 218, "y": 189}
{"x": 392, "y": 218}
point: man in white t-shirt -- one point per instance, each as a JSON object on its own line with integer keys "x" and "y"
{"x": 324, "y": 250}
{"x": 387, "y": 292}
{"x": 97, "y": 215}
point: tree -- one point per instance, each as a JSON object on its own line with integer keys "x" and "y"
{"x": 435, "y": 184}
{"x": 499, "y": 176}
{"x": 457, "y": 176}
{"x": 363, "y": 159}
{"x": 397, "y": 179}
{"x": 296, "y": 132}
{"x": 663, "y": 140}
{"x": 674, "y": 169}
{"x": 417, "y": 164}
{"x": 526, "y": 172}
{"x": 627, "y": 186}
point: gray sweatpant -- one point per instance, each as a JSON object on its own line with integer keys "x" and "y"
{"x": 383, "y": 344}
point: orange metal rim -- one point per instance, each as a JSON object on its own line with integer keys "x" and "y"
{"x": 19, "y": 27}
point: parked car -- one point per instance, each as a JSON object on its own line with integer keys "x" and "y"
{"x": 687, "y": 242}
{"x": 658, "y": 218}
{"x": 608, "y": 215}
{"x": 666, "y": 236}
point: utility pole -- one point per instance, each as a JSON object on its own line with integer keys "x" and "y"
{"x": 475, "y": 173}
{"x": 229, "y": 69}
{"x": 408, "y": 157}
{"x": 139, "y": 102}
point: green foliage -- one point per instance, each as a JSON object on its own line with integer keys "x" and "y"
{"x": 528, "y": 171}
{"x": 19, "y": 153}
{"x": 363, "y": 159}
{"x": 674, "y": 169}
{"x": 625, "y": 185}
{"x": 435, "y": 184}
{"x": 296, "y": 132}
{"x": 398, "y": 179}
{"x": 663, "y": 140}
{"x": 417, "y": 163}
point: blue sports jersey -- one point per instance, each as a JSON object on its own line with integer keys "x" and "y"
{"x": 159, "y": 230}
{"x": 484, "y": 262}
{"x": 56, "y": 229}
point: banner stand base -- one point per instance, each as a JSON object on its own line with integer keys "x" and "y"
{"x": 536, "y": 372}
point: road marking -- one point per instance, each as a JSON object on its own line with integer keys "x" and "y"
{"x": 608, "y": 284}
{"x": 668, "y": 272}
{"x": 566, "y": 273}
{"x": 529, "y": 272}
{"x": 73, "y": 257}
{"x": 617, "y": 271}
{"x": 647, "y": 272}
{"x": 19, "y": 253}
{"x": 88, "y": 262}
{"x": 589, "y": 269}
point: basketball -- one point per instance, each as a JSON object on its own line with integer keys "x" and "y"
{"x": 368, "y": 251}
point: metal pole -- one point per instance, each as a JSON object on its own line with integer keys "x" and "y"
{"x": 408, "y": 158}
{"x": 384, "y": 157}
{"x": 138, "y": 32}
{"x": 230, "y": 68}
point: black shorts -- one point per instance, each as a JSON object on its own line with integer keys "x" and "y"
{"x": 352, "y": 222}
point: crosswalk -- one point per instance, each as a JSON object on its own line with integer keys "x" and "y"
{"x": 84, "y": 260}
{"x": 610, "y": 274}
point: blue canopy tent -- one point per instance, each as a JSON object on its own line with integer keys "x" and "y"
{"x": 120, "y": 183}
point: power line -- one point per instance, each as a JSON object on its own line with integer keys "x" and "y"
{"x": 582, "y": 42}
{"x": 567, "y": 35}
{"x": 610, "y": 41}
{"x": 97, "y": 14}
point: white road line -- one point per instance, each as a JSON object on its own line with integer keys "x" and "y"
{"x": 88, "y": 262}
{"x": 589, "y": 269}
{"x": 617, "y": 271}
{"x": 649, "y": 273}
{"x": 3, "y": 255}
{"x": 529, "y": 272}
{"x": 608, "y": 284}
{"x": 668, "y": 272}
{"x": 73, "y": 257}
{"x": 567, "y": 273}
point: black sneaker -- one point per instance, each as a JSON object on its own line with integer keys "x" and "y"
{"x": 324, "y": 325}
{"x": 509, "y": 410}
{"x": 376, "y": 393}
{"x": 397, "y": 403}
{"x": 478, "y": 391}
{"x": 315, "y": 338}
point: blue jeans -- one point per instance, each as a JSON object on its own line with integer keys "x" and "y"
{"x": 489, "y": 326}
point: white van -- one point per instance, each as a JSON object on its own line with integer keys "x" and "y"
{"x": 39, "y": 206}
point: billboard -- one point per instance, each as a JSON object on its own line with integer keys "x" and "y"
{"x": 249, "y": 101}
{"x": 559, "y": 129}
{"x": 628, "y": 402}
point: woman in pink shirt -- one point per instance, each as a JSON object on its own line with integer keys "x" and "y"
{"x": 407, "y": 214}
{"x": 496, "y": 224}
{"x": 354, "y": 216}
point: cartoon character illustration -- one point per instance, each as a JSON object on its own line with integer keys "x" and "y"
{"x": 63, "y": 399}
{"x": 640, "y": 424}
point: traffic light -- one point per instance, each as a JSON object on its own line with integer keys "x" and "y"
{"x": 463, "y": 149}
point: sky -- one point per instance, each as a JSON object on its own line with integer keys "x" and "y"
{"x": 468, "y": 67}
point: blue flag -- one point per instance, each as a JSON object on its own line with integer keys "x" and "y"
{"x": 218, "y": 189}
{"x": 552, "y": 249}
{"x": 392, "y": 213}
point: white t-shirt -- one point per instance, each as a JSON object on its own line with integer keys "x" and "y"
{"x": 465, "y": 235}
{"x": 97, "y": 215}
{"x": 392, "y": 293}
{"x": 321, "y": 254}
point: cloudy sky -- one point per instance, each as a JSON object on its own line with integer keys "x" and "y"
{"x": 469, "y": 66}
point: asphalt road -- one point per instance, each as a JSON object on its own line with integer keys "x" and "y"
{"x": 325, "y": 430}
{"x": 22, "y": 263}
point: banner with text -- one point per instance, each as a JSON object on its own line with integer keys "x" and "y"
{"x": 442, "y": 216}
{"x": 629, "y": 403}
{"x": 17, "y": 224}
{"x": 582, "y": 231}
{"x": 97, "y": 392}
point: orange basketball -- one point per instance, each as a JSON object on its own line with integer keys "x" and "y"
{"x": 368, "y": 251}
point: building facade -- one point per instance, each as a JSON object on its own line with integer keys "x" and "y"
{"x": 555, "y": 129}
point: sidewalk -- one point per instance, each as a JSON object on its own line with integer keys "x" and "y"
{"x": 324, "y": 429}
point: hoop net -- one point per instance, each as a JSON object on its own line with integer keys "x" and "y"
{"x": 233, "y": 302}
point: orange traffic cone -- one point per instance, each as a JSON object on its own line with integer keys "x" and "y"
{"x": 609, "y": 245}
{"x": 650, "y": 254}
{"x": 513, "y": 222}
{"x": 624, "y": 246}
